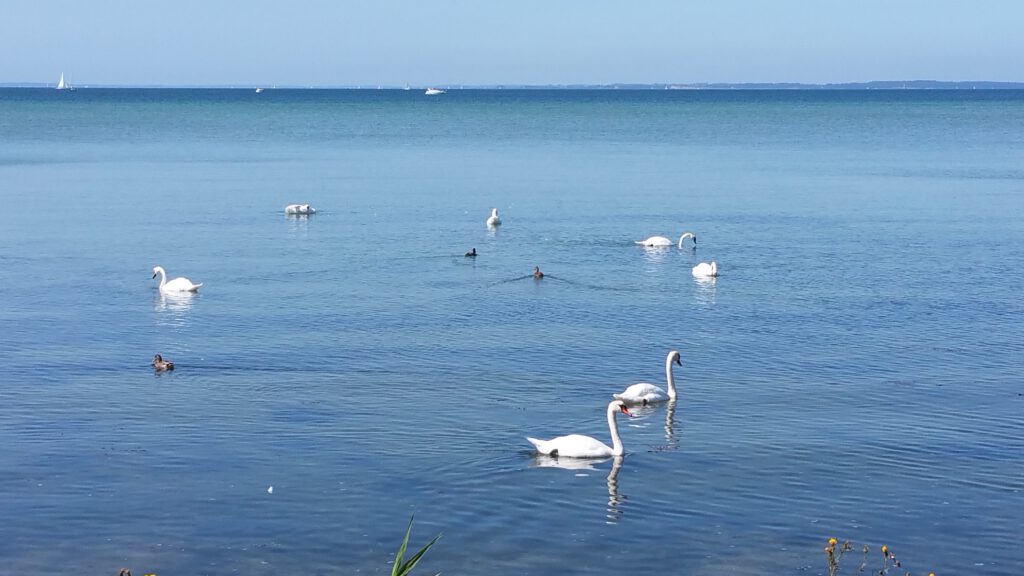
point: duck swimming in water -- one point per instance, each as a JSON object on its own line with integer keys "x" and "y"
{"x": 161, "y": 365}
{"x": 471, "y": 253}
{"x": 537, "y": 274}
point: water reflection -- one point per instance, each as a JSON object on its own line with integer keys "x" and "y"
{"x": 173, "y": 306}
{"x": 614, "y": 511}
{"x": 705, "y": 292}
{"x": 642, "y": 413}
{"x": 298, "y": 223}
{"x": 670, "y": 423}
{"x": 655, "y": 254}
{"x": 614, "y": 498}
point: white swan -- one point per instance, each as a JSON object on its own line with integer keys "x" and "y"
{"x": 705, "y": 270}
{"x": 179, "y": 284}
{"x": 644, "y": 393}
{"x": 299, "y": 209}
{"x": 579, "y": 446}
{"x": 493, "y": 219}
{"x": 659, "y": 241}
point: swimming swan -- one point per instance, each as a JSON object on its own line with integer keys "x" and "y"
{"x": 705, "y": 270}
{"x": 659, "y": 241}
{"x": 177, "y": 285}
{"x": 644, "y": 393}
{"x": 579, "y": 446}
{"x": 299, "y": 209}
{"x": 493, "y": 219}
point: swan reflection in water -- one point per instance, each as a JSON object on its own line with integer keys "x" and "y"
{"x": 705, "y": 291}
{"x": 173, "y": 307}
{"x": 643, "y": 413}
{"x": 173, "y": 301}
{"x": 615, "y": 500}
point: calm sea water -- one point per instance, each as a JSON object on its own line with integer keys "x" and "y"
{"x": 856, "y": 370}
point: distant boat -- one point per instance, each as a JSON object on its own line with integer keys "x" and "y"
{"x": 62, "y": 85}
{"x": 433, "y": 92}
{"x": 259, "y": 90}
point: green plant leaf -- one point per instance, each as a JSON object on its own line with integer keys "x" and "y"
{"x": 400, "y": 568}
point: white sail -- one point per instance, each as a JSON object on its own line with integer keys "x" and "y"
{"x": 62, "y": 85}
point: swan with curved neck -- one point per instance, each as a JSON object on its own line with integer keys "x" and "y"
{"x": 706, "y": 270}
{"x": 493, "y": 219}
{"x": 645, "y": 393}
{"x": 579, "y": 446}
{"x": 661, "y": 241}
{"x": 179, "y": 284}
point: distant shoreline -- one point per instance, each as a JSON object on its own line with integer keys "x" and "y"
{"x": 873, "y": 85}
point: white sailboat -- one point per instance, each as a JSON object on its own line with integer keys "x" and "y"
{"x": 433, "y": 91}
{"x": 62, "y": 85}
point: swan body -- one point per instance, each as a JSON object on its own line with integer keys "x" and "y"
{"x": 705, "y": 270}
{"x": 579, "y": 446}
{"x": 179, "y": 284}
{"x": 299, "y": 209}
{"x": 661, "y": 241}
{"x": 161, "y": 365}
{"x": 493, "y": 219}
{"x": 644, "y": 393}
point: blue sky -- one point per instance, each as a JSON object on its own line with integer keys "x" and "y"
{"x": 451, "y": 42}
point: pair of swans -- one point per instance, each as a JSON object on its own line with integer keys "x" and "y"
{"x": 299, "y": 209}
{"x": 180, "y": 284}
{"x": 580, "y": 446}
{"x": 493, "y": 219}
{"x": 661, "y": 241}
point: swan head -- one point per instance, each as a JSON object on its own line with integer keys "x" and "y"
{"x": 619, "y": 406}
{"x": 157, "y": 270}
{"x": 673, "y": 356}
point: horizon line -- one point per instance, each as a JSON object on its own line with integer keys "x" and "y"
{"x": 888, "y": 84}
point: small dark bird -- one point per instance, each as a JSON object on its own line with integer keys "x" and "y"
{"x": 537, "y": 274}
{"x": 471, "y": 253}
{"x": 161, "y": 365}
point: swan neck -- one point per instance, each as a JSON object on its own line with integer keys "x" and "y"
{"x": 669, "y": 382}
{"x": 613, "y": 427}
{"x": 163, "y": 276}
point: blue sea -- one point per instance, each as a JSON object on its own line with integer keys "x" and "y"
{"x": 855, "y": 371}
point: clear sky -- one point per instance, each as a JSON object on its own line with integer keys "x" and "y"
{"x": 452, "y": 42}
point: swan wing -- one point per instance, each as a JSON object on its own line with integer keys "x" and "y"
{"x": 180, "y": 284}
{"x": 572, "y": 446}
{"x": 655, "y": 241}
{"x": 642, "y": 392}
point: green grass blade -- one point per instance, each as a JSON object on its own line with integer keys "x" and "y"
{"x": 400, "y": 568}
